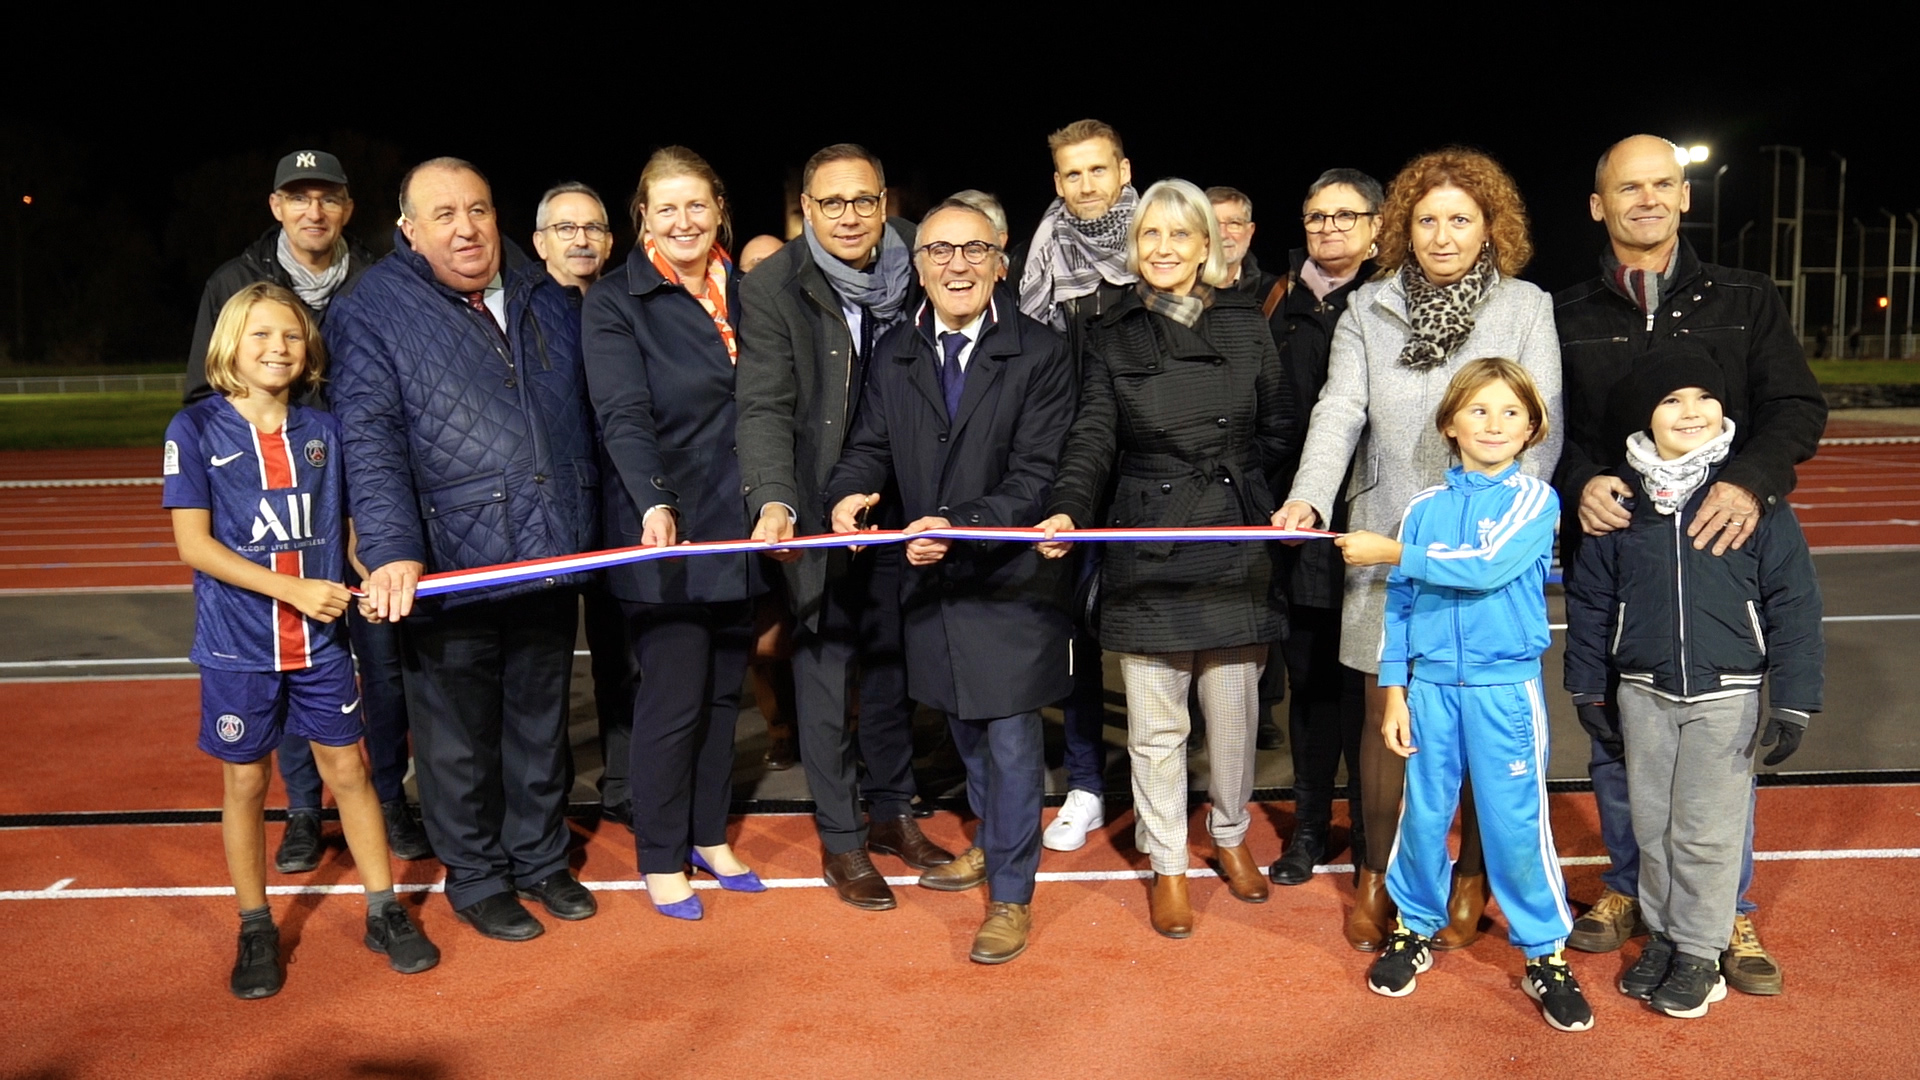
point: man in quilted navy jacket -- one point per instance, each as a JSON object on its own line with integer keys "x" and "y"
{"x": 469, "y": 442}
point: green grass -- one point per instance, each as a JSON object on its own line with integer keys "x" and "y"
{"x": 71, "y": 421}
{"x": 47, "y": 371}
{"x": 1879, "y": 372}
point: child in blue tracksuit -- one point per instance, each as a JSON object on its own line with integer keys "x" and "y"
{"x": 1460, "y": 658}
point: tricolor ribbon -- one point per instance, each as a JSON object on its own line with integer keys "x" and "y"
{"x": 454, "y": 581}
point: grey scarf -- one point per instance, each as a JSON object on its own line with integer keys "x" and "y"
{"x": 1070, "y": 257}
{"x": 881, "y": 294}
{"x": 1441, "y": 316}
{"x": 1671, "y": 482}
{"x": 1184, "y": 310}
{"x": 314, "y": 289}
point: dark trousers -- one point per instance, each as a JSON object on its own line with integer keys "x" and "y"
{"x": 1325, "y": 712}
{"x": 383, "y": 705}
{"x": 487, "y": 690}
{"x": 1085, "y": 713}
{"x": 859, "y": 625}
{"x": 613, "y": 688}
{"x": 692, "y": 660}
{"x": 1006, "y": 781}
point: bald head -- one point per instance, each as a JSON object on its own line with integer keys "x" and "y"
{"x": 756, "y": 251}
{"x": 1639, "y": 193}
{"x": 1637, "y": 144}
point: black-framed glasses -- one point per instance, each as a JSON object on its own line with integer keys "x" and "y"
{"x": 298, "y": 202}
{"x": 567, "y": 230}
{"x": 975, "y": 251}
{"x": 1342, "y": 221}
{"x": 864, "y": 205}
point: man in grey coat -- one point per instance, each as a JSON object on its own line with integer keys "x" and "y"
{"x": 811, "y": 314}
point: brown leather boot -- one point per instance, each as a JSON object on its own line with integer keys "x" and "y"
{"x": 1172, "y": 913}
{"x": 1242, "y": 875}
{"x": 1371, "y": 919}
{"x": 1464, "y": 906}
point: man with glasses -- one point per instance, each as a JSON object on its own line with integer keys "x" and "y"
{"x": 1075, "y": 269}
{"x": 966, "y": 409}
{"x": 308, "y": 254}
{"x": 812, "y": 313}
{"x": 571, "y": 235}
{"x": 1233, "y": 209}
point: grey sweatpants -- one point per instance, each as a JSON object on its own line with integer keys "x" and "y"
{"x": 1690, "y": 782}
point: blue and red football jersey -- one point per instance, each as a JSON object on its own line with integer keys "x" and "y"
{"x": 274, "y": 498}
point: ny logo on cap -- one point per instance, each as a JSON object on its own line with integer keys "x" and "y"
{"x": 303, "y": 160}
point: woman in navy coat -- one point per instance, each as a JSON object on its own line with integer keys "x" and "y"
{"x": 660, "y": 352}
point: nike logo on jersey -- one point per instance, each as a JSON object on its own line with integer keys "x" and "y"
{"x": 350, "y": 706}
{"x": 219, "y": 461}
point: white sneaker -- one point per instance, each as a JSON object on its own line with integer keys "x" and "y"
{"x": 1081, "y": 813}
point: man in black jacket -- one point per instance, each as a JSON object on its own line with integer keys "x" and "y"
{"x": 811, "y": 314}
{"x": 308, "y": 255}
{"x": 966, "y": 409}
{"x": 1653, "y": 289}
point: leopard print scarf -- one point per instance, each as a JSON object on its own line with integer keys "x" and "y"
{"x": 1441, "y": 316}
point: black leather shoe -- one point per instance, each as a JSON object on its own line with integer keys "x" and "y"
{"x": 501, "y": 918}
{"x": 620, "y": 813}
{"x": 562, "y": 895}
{"x": 405, "y": 838}
{"x": 299, "y": 851}
{"x": 1268, "y": 736}
{"x": 1307, "y": 849}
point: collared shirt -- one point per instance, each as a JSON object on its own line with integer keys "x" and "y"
{"x": 496, "y": 300}
{"x": 930, "y": 319}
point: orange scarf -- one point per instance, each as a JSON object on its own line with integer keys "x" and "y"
{"x": 719, "y": 265}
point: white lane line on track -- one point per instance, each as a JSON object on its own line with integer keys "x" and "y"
{"x": 58, "y": 892}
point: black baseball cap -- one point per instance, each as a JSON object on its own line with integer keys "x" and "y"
{"x": 309, "y": 165}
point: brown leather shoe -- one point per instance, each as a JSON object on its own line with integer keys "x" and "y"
{"x": 963, "y": 873}
{"x": 1004, "y": 935}
{"x": 1464, "y": 906}
{"x": 1607, "y": 925}
{"x": 852, "y": 875}
{"x": 1172, "y": 913}
{"x": 1243, "y": 877}
{"x": 901, "y": 837}
{"x": 1371, "y": 919}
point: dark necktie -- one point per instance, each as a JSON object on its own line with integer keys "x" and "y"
{"x": 953, "y": 378}
{"x": 478, "y": 302}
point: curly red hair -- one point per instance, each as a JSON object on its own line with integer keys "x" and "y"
{"x": 1480, "y": 177}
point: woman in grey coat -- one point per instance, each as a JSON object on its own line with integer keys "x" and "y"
{"x": 1453, "y": 233}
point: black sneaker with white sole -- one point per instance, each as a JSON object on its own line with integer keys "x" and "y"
{"x": 1691, "y": 985}
{"x": 1550, "y": 982}
{"x": 1648, "y": 972}
{"x": 1405, "y": 955}
{"x": 391, "y": 933}
{"x": 256, "y": 969}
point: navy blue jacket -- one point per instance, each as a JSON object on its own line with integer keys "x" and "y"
{"x": 463, "y": 450}
{"x": 662, "y": 385}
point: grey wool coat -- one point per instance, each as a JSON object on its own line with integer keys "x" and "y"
{"x": 1375, "y": 421}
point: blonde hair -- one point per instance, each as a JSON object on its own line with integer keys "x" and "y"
{"x": 669, "y": 162}
{"x": 224, "y": 347}
{"x": 1475, "y": 374}
{"x": 1189, "y": 207}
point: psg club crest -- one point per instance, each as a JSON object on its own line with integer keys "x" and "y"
{"x": 316, "y": 452}
{"x": 230, "y": 727}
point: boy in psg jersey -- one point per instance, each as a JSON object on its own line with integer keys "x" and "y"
{"x": 254, "y": 484}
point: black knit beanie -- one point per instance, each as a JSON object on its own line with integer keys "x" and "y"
{"x": 1660, "y": 372}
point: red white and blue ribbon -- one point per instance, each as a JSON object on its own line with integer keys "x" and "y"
{"x": 454, "y": 581}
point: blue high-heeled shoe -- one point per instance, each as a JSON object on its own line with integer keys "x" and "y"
{"x": 688, "y": 909}
{"x": 747, "y": 882}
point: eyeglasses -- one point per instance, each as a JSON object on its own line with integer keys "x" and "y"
{"x": 567, "y": 230}
{"x": 833, "y": 206}
{"x": 976, "y": 251}
{"x": 299, "y": 203}
{"x": 1235, "y": 225}
{"x": 1343, "y": 221}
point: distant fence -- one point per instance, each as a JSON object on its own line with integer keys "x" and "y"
{"x": 92, "y": 384}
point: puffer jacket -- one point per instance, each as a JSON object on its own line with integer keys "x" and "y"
{"x": 464, "y": 450}
{"x": 1467, "y": 605}
{"x": 1687, "y": 622}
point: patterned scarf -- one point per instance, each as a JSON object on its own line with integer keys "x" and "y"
{"x": 1670, "y": 482}
{"x": 1442, "y": 315}
{"x": 1643, "y": 287}
{"x": 313, "y": 289}
{"x": 1070, "y": 257}
{"x": 1184, "y": 310}
{"x": 882, "y": 294}
{"x": 719, "y": 265}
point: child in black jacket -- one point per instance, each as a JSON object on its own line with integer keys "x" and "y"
{"x": 1691, "y": 636}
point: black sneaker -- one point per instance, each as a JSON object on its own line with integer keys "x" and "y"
{"x": 256, "y": 971}
{"x": 407, "y": 950}
{"x": 1406, "y": 955}
{"x": 299, "y": 851}
{"x": 1550, "y": 982}
{"x": 1691, "y": 985}
{"x": 405, "y": 838}
{"x": 1648, "y": 972}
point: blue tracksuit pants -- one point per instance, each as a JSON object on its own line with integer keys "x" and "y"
{"x": 1498, "y": 735}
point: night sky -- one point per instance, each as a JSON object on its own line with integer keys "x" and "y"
{"x": 140, "y": 190}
